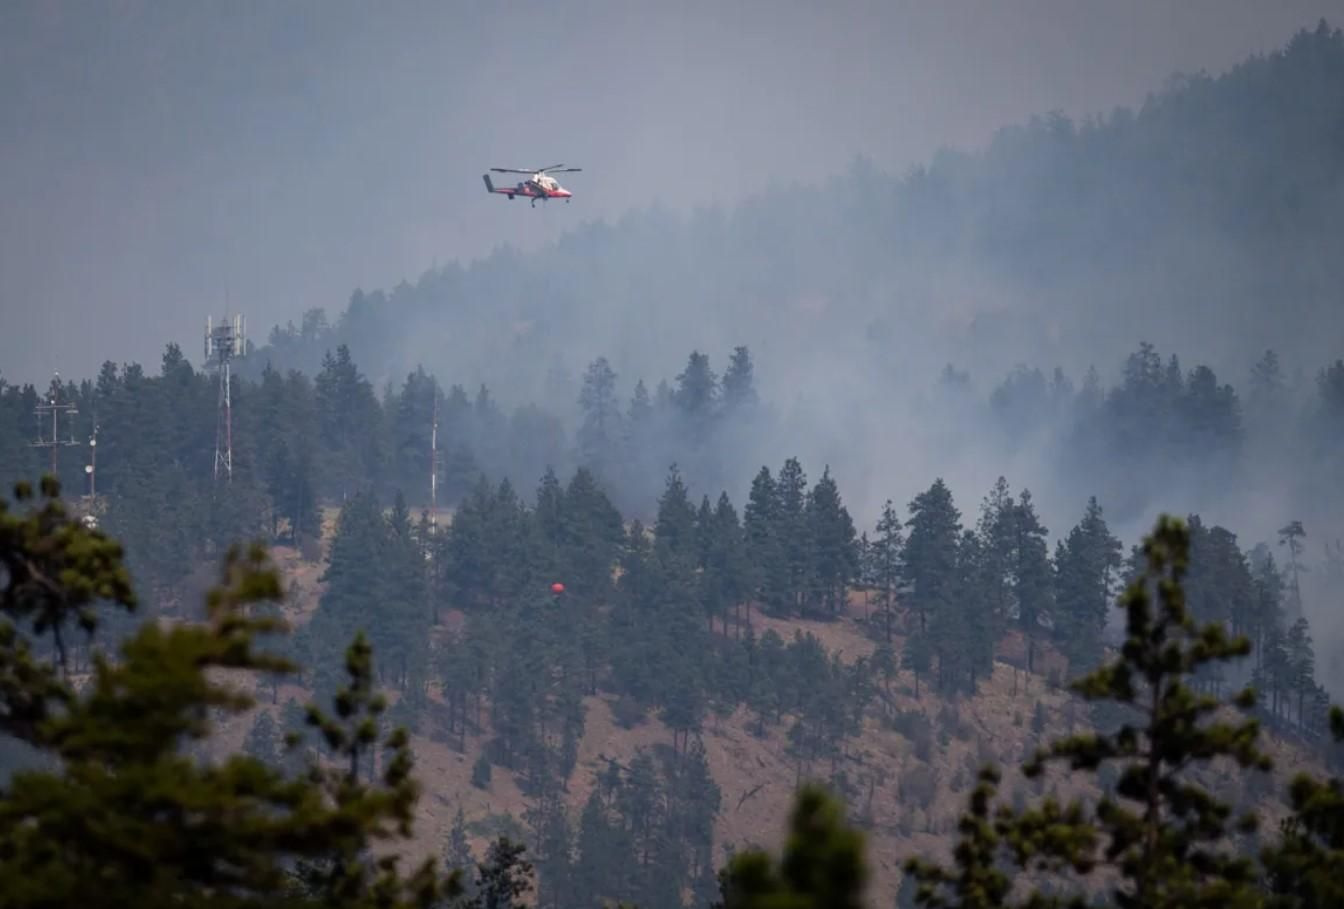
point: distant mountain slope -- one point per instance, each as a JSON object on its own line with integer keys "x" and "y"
{"x": 1210, "y": 219}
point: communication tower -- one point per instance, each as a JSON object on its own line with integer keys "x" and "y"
{"x": 91, "y": 470}
{"x": 49, "y": 413}
{"x": 434, "y": 465}
{"x": 223, "y": 344}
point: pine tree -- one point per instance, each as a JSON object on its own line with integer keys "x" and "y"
{"x": 695, "y": 394}
{"x": 503, "y": 879}
{"x": 402, "y": 627}
{"x": 793, "y": 533}
{"x": 723, "y": 581}
{"x": 930, "y": 550}
{"x": 822, "y": 865}
{"x": 601, "y": 429}
{"x": 1291, "y": 535}
{"x": 553, "y": 860}
{"x": 765, "y": 550}
{"x": 1085, "y": 563}
{"x": 1305, "y": 868}
{"x": 126, "y": 816}
{"x": 1164, "y": 835}
{"x": 739, "y": 390}
{"x": 457, "y": 855}
{"x": 995, "y": 529}
{"x": 835, "y": 556}
{"x": 1032, "y": 575}
{"x": 887, "y": 554}
{"x": 357, "y": 580}
{"x": 1301, "y": 665}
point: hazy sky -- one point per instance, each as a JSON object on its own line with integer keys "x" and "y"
{"x": 156, "y": 158}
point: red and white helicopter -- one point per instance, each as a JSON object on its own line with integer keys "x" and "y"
{"x": 538, "y": 185}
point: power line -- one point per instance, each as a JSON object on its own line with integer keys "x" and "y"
{"x": 53, "y": 409}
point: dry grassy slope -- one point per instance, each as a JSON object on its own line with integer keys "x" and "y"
{"x": 756, "y": 774}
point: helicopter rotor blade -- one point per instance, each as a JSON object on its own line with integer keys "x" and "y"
{"x": 542, "y": 170}
{"x": 511, "y": 170}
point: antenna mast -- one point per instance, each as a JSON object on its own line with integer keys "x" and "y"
{"x": 434, "y": 463}
{"x": 52, "y": 408}
{"x": 224, "y": 343}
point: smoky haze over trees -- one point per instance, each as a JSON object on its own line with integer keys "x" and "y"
{"x": 1201, "y": 221}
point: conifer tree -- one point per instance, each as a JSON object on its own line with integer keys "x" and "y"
{"x": 138, "y": 820}
{"x": 723, "y": 581}
{"x": 930, "y": 570}
{"x": 822, "y": 865}
{"x": 1305, "y": 867}
{"x": 835, "y": 555}
{"x": 793, "y": 533}
{"x": 1291, "y": 535}
{"x": 1085, "y": 563}
{"x": 1032, "y": 576}
{"x": 887, "y": 554}
{"x": 765, "y": 549}
{"x": 675, "y": 539}
{"x": 739, "y": 390}
{"x": 457, "y": 854}
{"x": 1161, "y": 833}
{"x": 601, "y": 429}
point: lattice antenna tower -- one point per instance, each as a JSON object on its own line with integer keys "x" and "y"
{"x": 224, "y": 343}
{"x": 48, "y": 413}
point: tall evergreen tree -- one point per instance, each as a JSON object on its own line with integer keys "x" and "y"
{"x": 1291, "y": 535}
{"x": 887, "y": 556}
{"x": 1086, "y": 562}
{"x": 601, "y": 429}
{"x": 793, "y": 533}
{"x": 765, "y": 549}
{"x": 739, "y": 388}
{"x": 931, "y": 552}
{"x": 1031, "y": 574}
{"x": 835, "y": 555}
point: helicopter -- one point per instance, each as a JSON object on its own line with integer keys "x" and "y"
{"x": 538, "y": 185}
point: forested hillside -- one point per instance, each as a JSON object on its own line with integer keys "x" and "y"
{"x": 765, "y": 628}
{"x": 302, "y": 442}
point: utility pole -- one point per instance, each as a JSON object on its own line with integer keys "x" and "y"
{"x": 433, "y": 505}
{"x": 52, "y": 408}
{"x": 224, "y": 343}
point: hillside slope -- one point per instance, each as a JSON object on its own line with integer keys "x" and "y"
{"x": 905, "y": 783}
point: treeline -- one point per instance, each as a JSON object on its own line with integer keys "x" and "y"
{"x": 1189, "y": 428}
{"x": 301, "y": 442}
